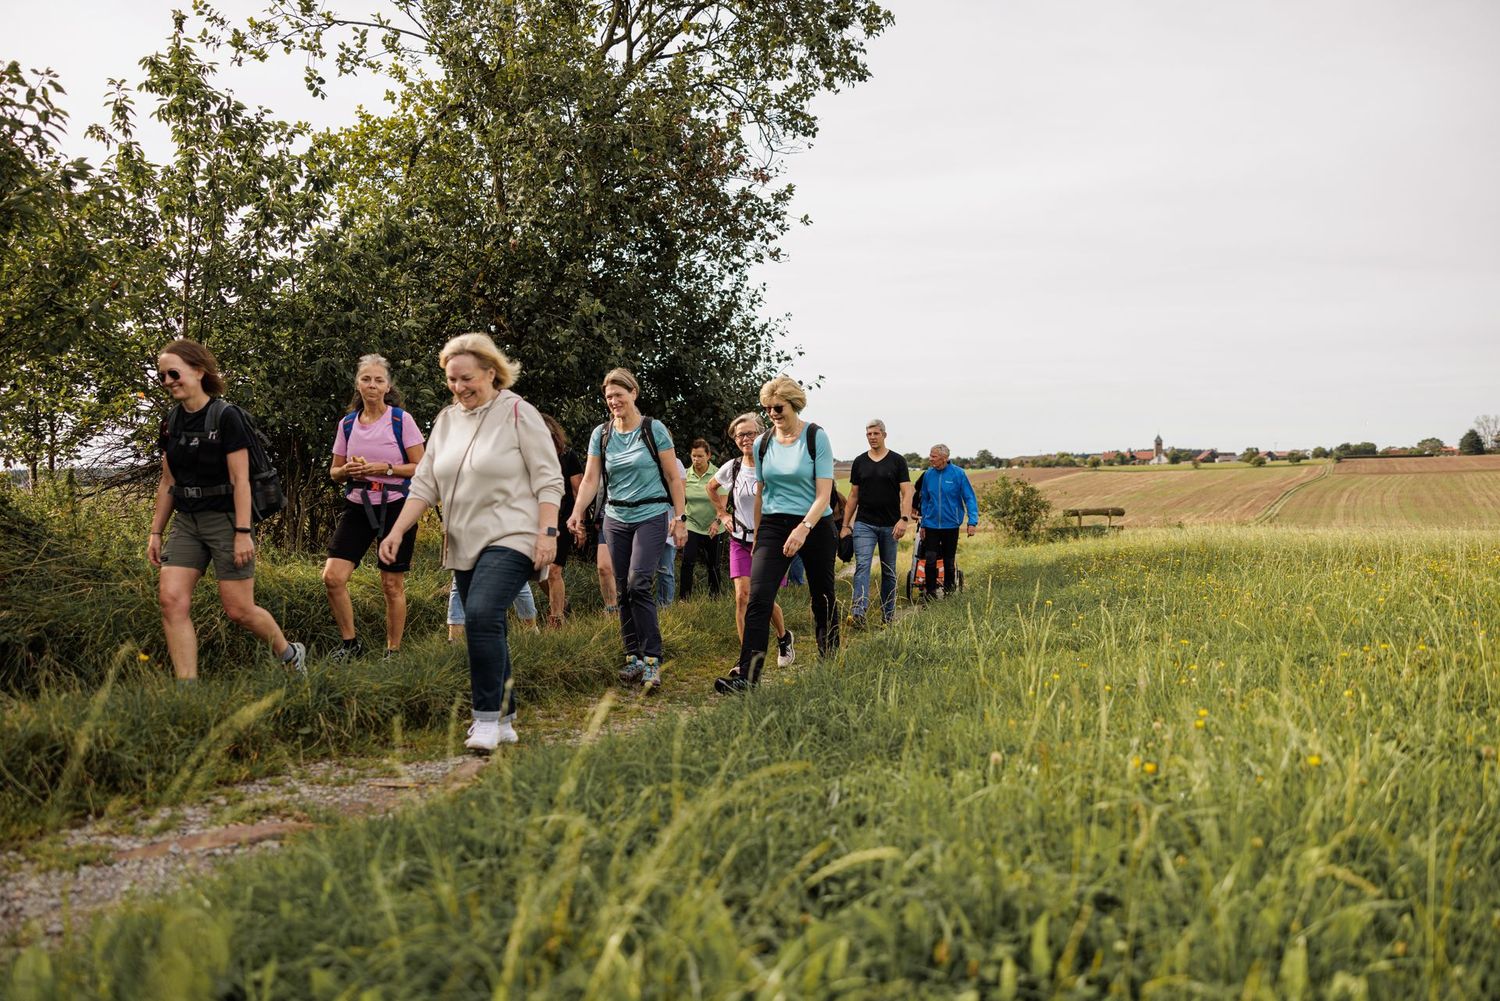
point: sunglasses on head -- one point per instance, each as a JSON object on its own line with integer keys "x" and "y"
{"x": 170, "y": 374}
{"x": 775, "y": 408}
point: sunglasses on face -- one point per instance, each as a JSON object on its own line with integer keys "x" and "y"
{"x": 170, "y": 375}
{"x": 775, "y": 408}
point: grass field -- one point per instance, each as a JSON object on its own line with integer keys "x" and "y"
{"x": 1250, "y": 763}
{"x": 1157, "y": 497}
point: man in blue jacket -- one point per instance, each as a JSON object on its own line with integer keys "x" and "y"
{"x": 944, "y": 496}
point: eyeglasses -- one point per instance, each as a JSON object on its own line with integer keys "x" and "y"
{"x": 775, "y": 408}
{"x": 170, "y": 374}
{"x": 745, "y": 436}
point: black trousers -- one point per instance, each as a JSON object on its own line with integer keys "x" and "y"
{"x": 768, "y": 565}
{"x": 705, "y": 549}
{"x": 940, "y": 544}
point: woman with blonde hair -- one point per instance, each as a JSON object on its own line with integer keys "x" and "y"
{"x": 732, "y": 493}
{"x": 491, "y": 465}
{"x": 794, "y": 514}
{"x": 376, "y": 449}
{"x": 634, "y": 459}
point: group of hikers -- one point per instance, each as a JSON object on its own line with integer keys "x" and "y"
{"x": 516, "y": 502}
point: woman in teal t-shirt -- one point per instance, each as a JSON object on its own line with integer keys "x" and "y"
{"x": 793, "y": 515}
{"x": 641, "y": 485}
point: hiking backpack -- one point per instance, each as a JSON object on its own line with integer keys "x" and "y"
{"x": 398, "y": 426}
{"x": 266, "y": 494}
{"x": 648, "y": 436}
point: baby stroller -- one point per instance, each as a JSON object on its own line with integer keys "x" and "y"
{"x": 916, "y": 577}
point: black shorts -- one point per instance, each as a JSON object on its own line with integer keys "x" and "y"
{"x": 565, "y": 547}
{"x": 353, "y": 535}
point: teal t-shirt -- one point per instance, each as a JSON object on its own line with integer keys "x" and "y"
{"x": 787, "y": 474}
{"x": 633, "y": 472}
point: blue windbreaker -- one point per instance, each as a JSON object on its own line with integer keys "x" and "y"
{"x": 944, "y": 496}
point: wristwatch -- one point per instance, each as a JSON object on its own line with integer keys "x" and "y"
{"x": 390, "y": 469}
{"x": 550, "y": 531}
{"x": 903, "y": 518}
{"x": 807, "y": 525}
{"x": 243, "y": 531}
{"x": 681, "y": 517}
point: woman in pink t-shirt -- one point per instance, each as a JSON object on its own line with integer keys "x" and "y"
{"x": 376, "y": 449}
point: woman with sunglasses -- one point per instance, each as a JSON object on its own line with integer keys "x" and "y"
{"x": 793, "y": 512}
{"x": 732, "y": 492}
{"x": 205, "y": 492}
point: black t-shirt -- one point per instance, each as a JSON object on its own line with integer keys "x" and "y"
{"x": 203, "y": 464}
{"x": 879, "y": 488}
{"x": 571, "y": 466}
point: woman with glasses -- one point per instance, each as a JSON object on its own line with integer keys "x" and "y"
{"x": 205, "y": 492}
{"x": 632, "y": 455}
{"x": 732, "y": 491}
{"x": 794, "y": 514}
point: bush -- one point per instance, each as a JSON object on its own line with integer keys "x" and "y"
{"x": 1015, "y": 506}
{"x": 1257, "y": 460}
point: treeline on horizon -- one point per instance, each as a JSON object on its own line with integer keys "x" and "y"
{"x": 591, "y": 183}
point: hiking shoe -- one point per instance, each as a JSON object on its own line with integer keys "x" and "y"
{"x": 507, "y": 732}
{"x": 298, "y": 660}
{"x": 731, "y": 685}
{"x": 632, "y": 671}
{"x": 484, "y": 735}
{"x": 347, "y": 651}
{"x": 651, "y": 674}
{"x": 856, "y": 622}
{"x": 785, "y": 651}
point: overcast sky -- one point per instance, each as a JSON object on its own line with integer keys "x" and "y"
{"x": 1071, "y": 224}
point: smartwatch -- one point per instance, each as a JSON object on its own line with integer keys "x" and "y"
{"x": 243, "y": 531}
{"x": 550, "y": 531}
{"x": 681, "y": 517}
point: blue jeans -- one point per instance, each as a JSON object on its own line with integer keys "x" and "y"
{"x": 635, "y": 550}
{"x": 866, "y": 539}
{"x": 525, "y": 604}
{"x": 486, "y": 593}
{"x": 796, "y": 572}
{"x": 666, "y": 576}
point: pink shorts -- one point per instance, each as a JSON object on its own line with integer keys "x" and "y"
{"x": 739, "y": 559}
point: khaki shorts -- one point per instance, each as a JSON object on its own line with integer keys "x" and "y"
{"x": 197, "y": 539}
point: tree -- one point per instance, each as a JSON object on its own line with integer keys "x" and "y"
{"x": 985, "y": 459}
{"x": 1488, "y": 426}
{"x": 1250, "y": 454}
{"x": 1471, "y": 443}
{"x": 1095, "y": 462}
{"x": 1320, "y": 452}
{"x": 914, "y": 460}
{"x": 1296, "y": 456}
{"x": 1014, "y": 505}
{"x": 1257, "y": 460}
{"x": 1354, "y": 449}
{"x": 1430, "y": 446}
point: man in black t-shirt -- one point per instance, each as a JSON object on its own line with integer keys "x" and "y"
{"x": 876, "y": 514}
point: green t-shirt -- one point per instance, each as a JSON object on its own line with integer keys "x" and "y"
{"x": 700, "y": 510}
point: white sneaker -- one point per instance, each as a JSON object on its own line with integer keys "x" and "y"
{"x": 484, "y": 735}
{"x": 507, "y": 730}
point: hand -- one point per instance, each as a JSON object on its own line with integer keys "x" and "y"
{"x": 244, "y": 548}
{"x": 679, "y": 533}
{"x": 575, "y": 525}
{"x": 794, "y": 541}
{"x": 546, "y": 550}
{"x": 848, "y": 530}
{"x": 356, "y": 469}
{"x": 153, "y": 549}
{"x": 898, "y": 531}
{"x": 971, "y": 531}
{"x": 713, "y": 528}
{"x": 389, "y": 546}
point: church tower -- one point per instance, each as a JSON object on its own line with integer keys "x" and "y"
{"x": 1158, "y": 453}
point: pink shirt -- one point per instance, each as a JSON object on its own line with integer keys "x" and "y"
{"x": 377, "y": 443}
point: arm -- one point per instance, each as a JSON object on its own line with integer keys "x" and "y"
{"x": 678, "y": 490}
{"x": 162, "y": 512}
{"x": 411, "y": 513}
{"x": 540, "y": 456}
{"x": 907, "y": 492}
{"x": 971, "y": 503}
{"x": 587, "y": 489}
{"x": 799, "y": 534}
{"x": 851, "y": 505}
{"x": 238, "y": 462}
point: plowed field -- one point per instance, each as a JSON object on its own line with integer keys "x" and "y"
{"x": 1179, "y": 496}
{"x": 1436, "y": 464}
{"x": 1460, "y": 494}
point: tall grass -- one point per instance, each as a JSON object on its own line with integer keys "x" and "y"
{"x": 1197, "y": 764}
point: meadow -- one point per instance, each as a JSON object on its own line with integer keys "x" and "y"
{"x": 1222, "y": 763}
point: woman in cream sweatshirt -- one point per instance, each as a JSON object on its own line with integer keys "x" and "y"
{"x": 491, "y": 465}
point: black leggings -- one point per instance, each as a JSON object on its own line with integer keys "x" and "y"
{"x": 767, "y": 568}
{"x": 705, "y": 549}
{"x": 940, "y": 544}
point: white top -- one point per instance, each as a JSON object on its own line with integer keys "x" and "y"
{"x": 744, "y": 498}
{"x": 509, "y": 472}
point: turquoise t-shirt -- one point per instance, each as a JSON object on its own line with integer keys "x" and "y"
{"x": 787, "y": 473}
{"x": 633, "y": 472}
